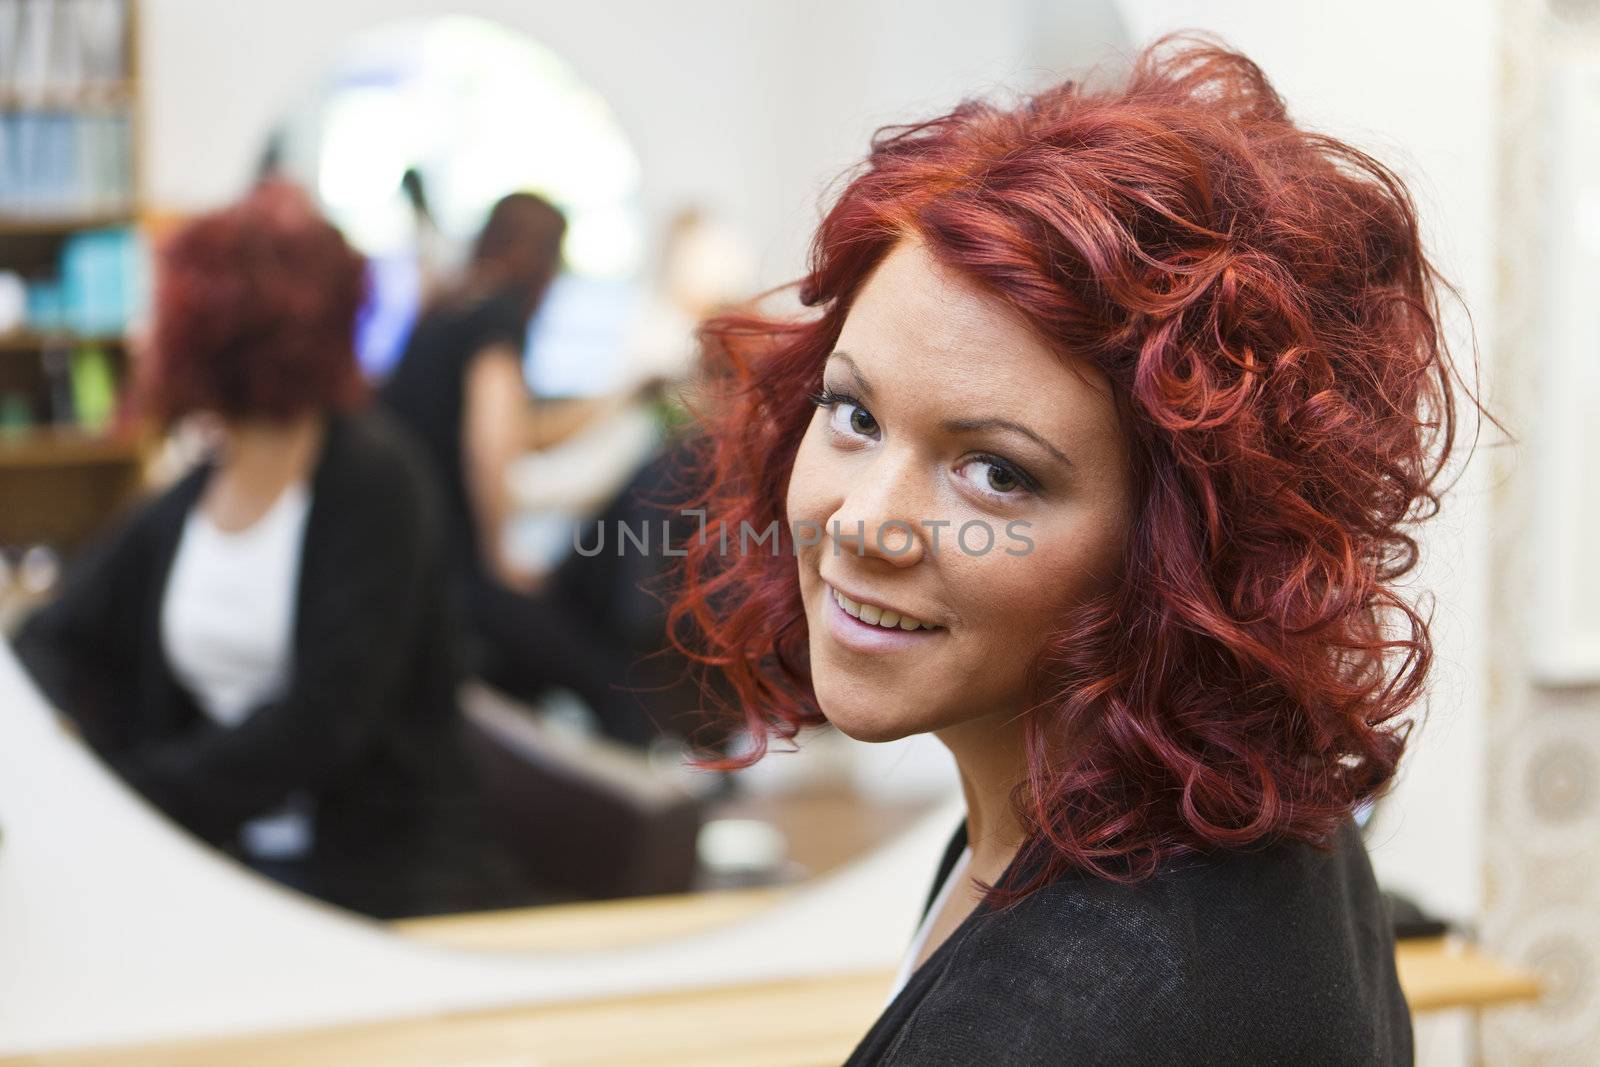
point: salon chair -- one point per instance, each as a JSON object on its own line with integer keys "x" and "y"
{"x": 585, "y": 813}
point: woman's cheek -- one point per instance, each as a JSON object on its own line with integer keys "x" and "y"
{"x": 1020, "y": 587}
{"x": 802, "y": 501}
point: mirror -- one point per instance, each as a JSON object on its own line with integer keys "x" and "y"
{"x": 1567, "y": 652}
{"x": 406, "y": 143}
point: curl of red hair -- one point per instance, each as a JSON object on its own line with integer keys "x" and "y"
{"x": 255, "y": 313}
{"x": 1259, "y": 297}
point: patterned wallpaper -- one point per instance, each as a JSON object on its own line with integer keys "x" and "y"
{"x": 1542, "y": 823}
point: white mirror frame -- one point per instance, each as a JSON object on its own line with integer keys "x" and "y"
{"x": 1565, "y": 649}
{"x": 120, "y": 928}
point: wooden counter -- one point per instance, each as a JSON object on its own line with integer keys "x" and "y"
{"x": 1439, "y": 973}
{"x": 791, "y": 1023}
{"x": 776, "y": 1024}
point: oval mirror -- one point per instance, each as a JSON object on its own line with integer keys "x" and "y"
{"x": 407, "y": 143}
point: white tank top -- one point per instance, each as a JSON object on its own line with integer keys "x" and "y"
{"x": 227, "y": 629}
{"x": 908, "y": 965}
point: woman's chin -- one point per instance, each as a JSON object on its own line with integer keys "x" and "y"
{"x": 871, "y": 724}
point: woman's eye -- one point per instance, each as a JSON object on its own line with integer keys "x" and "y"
{"x": 861, "y": 421}
{"x": 1000, "y": 478}
{"x": 847, "y": 415}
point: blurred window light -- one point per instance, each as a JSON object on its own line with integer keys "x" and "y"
{"x": 479, "y": 111}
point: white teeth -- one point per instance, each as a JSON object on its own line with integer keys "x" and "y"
{"x": 871, "y": 613}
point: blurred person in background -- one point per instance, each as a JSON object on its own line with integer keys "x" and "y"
{"x": 460, "y": 386}
{"x": 434, "y": 252}
{"x": 266, "y": 649}
{"x": 703, "y": 267}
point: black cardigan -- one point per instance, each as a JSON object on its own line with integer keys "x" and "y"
{"x": 367, "y": 723}
{"x": 1280, "y": 955}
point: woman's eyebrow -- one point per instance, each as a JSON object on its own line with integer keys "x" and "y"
{"x": 955, "y": 426}
{"x": 974, "y": 425}
{"x": 855, "y": 372}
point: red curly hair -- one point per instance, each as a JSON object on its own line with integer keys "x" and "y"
{"x": 255, "y": 313}
{"x": 1259, "y": 298}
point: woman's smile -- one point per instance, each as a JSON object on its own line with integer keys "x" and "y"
{"x": 866, "y": 627}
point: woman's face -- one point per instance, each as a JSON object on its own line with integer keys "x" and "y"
{"x": 959, "y": 476}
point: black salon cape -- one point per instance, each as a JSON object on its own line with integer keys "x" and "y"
{"x": 368, "y": 724}
{"x": 1283, "y": 955}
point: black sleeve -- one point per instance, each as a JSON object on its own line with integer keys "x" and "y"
{"x": 82, "y": 647}
{"x": 354, "y": 621}
{"x": 498, "y": 321}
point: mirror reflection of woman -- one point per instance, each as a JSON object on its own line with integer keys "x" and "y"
{"x": 1095, "y": 463}
{"x": 264, "y": 649}
{"x": 459, "y": 387}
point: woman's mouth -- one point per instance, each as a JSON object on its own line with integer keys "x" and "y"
{"x": 873, "y": 615}
{"x": 871, "y": 628}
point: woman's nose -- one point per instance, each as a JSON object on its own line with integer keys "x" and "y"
{"x": 884, "y": 511}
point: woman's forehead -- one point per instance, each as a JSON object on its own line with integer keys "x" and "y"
{"x": 919, "y": 329}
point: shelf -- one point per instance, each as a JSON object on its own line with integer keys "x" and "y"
{"x": 61, "y": 225}
{"x": 29, "y": 341}
{"x": 109, "y": 97}
{"x": 43, "y": 449}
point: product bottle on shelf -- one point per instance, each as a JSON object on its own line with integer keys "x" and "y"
{"x": 58, "y": 384}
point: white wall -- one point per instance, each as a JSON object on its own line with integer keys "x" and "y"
{"x": 218, "y": 76}
{"x": 748, "y": 108}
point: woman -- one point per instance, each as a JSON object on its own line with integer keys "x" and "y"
{"x": 1119, "y": 400}
{"x": 459, "y": 386}
{"x": 264, "y": 650}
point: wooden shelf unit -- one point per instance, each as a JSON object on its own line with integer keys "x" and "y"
{"x": 59, "y": 484}
{"x": 29, "y": 342}
{"x": 47, "y": 448}
{"x": 60, "y": 226}
{"x": 92, "y": 98}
